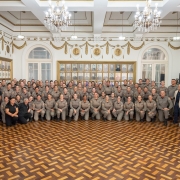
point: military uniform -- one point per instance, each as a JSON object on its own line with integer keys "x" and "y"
{"x": 49, "y": 105}
{"x": 146, "y": 95}
{"x": 118, "y": 113}
{"x": 165, "y": 89}
{"x": 127, "y": 94}
{"x": 38, "y": 105}
{"x": 31, "y": 107}
{"x": 99, "y": 91}
{"x": 7, "y": 93}
{"x": 136, "y": 94}
{"x": 120, "y": 93}
{"x": 23, "y": 95}
{"x": 45, "y": 95}
{"x": 84, "y": 111}
{"x": 105, "y": 107}
{"x": 15, "y": 93}
{"x": 150, "y": 110}
{"x": 78, "y": 95}
{"x": 70, "y": 90}
{"x": 41, "y": 88}
{"x": 113, "y": 100}
{"x": 152, "y": 87}
{"x": 63, "y": 106}
{"x": 91, "y": 95}
{"x": 34, "y": 94}
{"x": 171, "y": 91}
{"x": 19, "y": 102}
{"x": 74, "y": 104}
{"x": 83, "y": 94}
{"x": 3, "y": 105}
{"x": 89, "y": 89}
{"x": 140, "y": 106}
{"x": 95, "y": 104}
{"x": 128, "y": 107}
{"x": 161, "y": 104}
{"x": 155, "y": 96}
{"x": 108, "y": 90}
{"x": 55, "y": 95}
{"x": 124, "y": 88}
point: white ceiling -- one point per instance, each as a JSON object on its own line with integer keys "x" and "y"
{"x": 100, "y": 17}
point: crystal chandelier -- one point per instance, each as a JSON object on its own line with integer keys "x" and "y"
{"x": 148, "y": 19}
{"x": 57, "y": 18}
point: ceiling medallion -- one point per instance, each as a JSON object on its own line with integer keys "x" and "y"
{"x": 147, "y": 20}
{"x": 57, "y": 18}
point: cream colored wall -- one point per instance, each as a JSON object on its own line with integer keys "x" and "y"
{"x": 20, "y": 56}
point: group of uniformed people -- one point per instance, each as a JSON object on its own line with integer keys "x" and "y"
{"x": 23, "y": 101}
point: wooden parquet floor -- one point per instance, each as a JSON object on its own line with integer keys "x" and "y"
{"x": 90, "y": 150}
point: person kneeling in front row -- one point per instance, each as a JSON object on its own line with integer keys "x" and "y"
{"x": 11, "y": 112}
{"x": 128, "y": 109}
{"x": 118, "y": 109}
{"x": 107, "y": 106}
{"x": 85, "y": 106}
{"x": 61, "y": 108}
{"x": 75, "y": 105}
{"x": 24, "y": 112}
{"x": 150, "y": 109}
{"x": 38, "y": 107}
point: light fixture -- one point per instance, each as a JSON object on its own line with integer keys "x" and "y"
{"x": 74, "y": 36}
{"x": 57, "y": 18}
{"x": 20, "y": 36}
{"x": 122, "y": 38}
{"x": 148, "y": 19}
{"x": 177, "y": 37}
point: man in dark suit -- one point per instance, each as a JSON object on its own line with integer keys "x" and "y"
{"x": 24, "y": 112}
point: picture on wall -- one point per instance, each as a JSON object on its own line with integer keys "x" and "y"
{"x": 80, "y": 67}
{"x": 62, "y": 67}
{"x": 79, "y": 71}
{"x": 118, "y": 67}
{"x": 68, "y": 67}
{"x": 5, "y": 69}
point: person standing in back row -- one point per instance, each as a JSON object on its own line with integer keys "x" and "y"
{"x": 164, "y": 104}
{"x": 171, "y": 90}
{"x": 176, "y": 105}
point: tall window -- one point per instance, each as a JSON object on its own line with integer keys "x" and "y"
{"x": 39, "y": 64}
{"x": 154, "y": 65}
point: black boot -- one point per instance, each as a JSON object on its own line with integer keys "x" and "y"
{"x": 42, "y": 119}
{"x": 58, "y": 119}
{"x": 30, "y": 119}
{"x": 92, "y": 118}
{"x": 165, "y": 122}
{"x": 104, "y": 118}
{"x": 69, "y": 119}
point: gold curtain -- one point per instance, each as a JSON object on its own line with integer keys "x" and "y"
{"x": 173, "y": 47}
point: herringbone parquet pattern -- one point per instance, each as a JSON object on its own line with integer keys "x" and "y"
{"x": 90, "y": 150}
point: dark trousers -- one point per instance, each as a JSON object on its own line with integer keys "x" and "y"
{"x": 23, "y": 119}
{"x": 176, "y": 112}
{"x": 10, "y": 120}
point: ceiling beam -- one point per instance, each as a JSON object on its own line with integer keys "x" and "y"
{"x": 100, "y": 7}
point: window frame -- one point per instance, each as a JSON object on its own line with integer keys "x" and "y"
{"x": 153, "y": 62}
{"x": 39, "y": 61}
